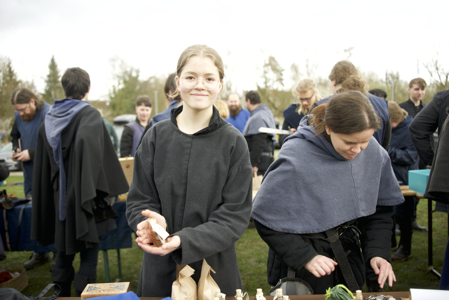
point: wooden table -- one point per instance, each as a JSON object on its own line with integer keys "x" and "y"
{"x": 396, "y": 295}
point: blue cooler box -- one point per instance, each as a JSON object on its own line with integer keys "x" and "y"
{"x": 417, "y": 180}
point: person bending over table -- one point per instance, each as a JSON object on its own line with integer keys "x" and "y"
{"x": 336, "y": 212}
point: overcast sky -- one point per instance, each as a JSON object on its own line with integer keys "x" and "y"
{"x": 150, "y": 35}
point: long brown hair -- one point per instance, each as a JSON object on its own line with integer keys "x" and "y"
{"x": 346, "y": 113}
{"x": 347, "y": 75}
{"x": 24, "y": 96}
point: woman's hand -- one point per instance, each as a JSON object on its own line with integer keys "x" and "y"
{"x": 143, "y": 228}
{"x": 320, "y": 266}
{"x": 173, "y": 243}
{"x": 384, "y": 269}
{"x": 144, "y": 238}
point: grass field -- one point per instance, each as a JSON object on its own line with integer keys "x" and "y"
{"x": 252, "y": 256}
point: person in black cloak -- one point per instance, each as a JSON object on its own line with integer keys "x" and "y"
{"x": 337, "y": 200}
{"x": 192, "y": 174}
{"x": 76, "y": 168}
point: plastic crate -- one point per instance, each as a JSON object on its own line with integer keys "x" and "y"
{"x": 417, "y": 180}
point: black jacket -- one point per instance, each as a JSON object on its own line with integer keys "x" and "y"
{"x": 92, "y": 171}
{"x": 261, "y": 148}
{"x": 411, "y": 108}
{"x": 294, "y": 251}
{"x": 431, "y": 117}
{"x": 201, "y": 184}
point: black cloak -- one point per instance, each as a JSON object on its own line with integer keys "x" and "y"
{"x": 92, "y": 171}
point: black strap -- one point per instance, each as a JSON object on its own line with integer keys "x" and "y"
{"x": 46, "y": 289}
{"x": 334, "y": 240}
{"x": 5, "y": 222}
{"x": 19, "y": 223}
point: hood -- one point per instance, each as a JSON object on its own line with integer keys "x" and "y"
{"x": 308, "y": 132}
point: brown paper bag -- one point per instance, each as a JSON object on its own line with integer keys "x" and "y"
{"x": 184, "y": 288}
{"x": 207, "y": 285}
{"x": 257, "y": 180}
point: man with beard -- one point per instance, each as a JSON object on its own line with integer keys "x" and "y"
{"x": 28, "y": 117}
{"x": 237, "y": 115}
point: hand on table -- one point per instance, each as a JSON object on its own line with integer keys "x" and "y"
{"x": 321, "y": 265}
{"x": 384, "y": 269}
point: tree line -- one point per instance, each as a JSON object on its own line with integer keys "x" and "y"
{"x": 128, "y": 85}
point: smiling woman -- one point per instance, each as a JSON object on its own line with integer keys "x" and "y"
{"x": 193, "y": 175}
{"x": 337, "y": 182}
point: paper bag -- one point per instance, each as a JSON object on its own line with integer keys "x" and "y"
{"x": 257, "y": 180}
{"x": 207, "y": 285}
{"x": 184, "y": 288}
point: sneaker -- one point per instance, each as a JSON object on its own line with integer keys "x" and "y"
{"x": 37, "y": 259}
{"x": 401, "y": 254}
{"x": 416, "y": 226}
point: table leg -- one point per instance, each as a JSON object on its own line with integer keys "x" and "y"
{"x": 106, "y": 266}
{"x": 119, "y": 266}
{"x": 429, "y": 237}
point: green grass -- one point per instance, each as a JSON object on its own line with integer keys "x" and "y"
{"x": 252, "y": 257}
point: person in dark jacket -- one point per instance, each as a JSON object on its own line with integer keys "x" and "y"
{"x": 404, "y": 158}
{"x": 437, "y": 188}
{"x": 307, "y": 94}
{"x": 343, "y": 186}
{"x": 345, "y": 77}
{"x": 172, "y": 102}
{"x": 29, "y": 115}
{"x": 76, "y": 169}
{"x": 192, "y": 174}
{"x": 417, "y": 90}
{"x": 132, "y": 132}
{"x": 261, "y": 145}
{"x": 432, "y": 117}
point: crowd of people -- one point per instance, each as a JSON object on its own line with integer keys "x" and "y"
{"x": 327, "y": 206}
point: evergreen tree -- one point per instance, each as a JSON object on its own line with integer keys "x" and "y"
{"x": 53, "y": 88}
{"x": 8, "y": 83}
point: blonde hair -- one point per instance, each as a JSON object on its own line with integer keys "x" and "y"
{"x": 222, "y": 108}
{"x": 201, "y": 51}
{"x": 397, "y": 113}
{"x": 304, "y": 86}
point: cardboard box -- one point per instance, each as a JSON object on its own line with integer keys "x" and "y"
{"x": 93, "y": 290}
{"x": 417, "y": 180}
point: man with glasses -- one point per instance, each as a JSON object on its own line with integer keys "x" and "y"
{"x": 238, "y": 116}
{"x": 28, "y": 117}
{"x": 261, "y": 145}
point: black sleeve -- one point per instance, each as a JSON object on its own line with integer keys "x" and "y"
{"x": 285, "y": 126}
{"x": 387, "y": 137}
{"x": 257, "y": 146}
{"x": 126, "y": 143}
{"x": 31, "y": 152}
{"x": 422, "y": 128}
{"x": 4, "y": 172}
{"x": 15, "y": 134}
{"x": 376, "y": 233}
{"x": 294, "y": 250}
